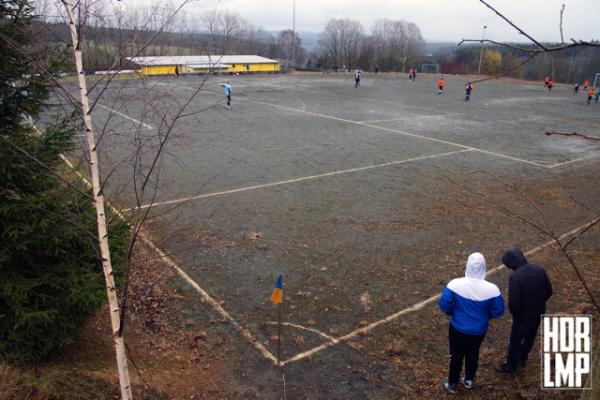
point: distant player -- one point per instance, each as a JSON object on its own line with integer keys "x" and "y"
{"x": 227, "y": 91}
{"x": 410, "y": 73}
{"x": 441, "y": 83}
{"x": 586, "y": 85}
{"x": 356, "y": 78}
{"x": 468, "y": 90}
{"x": 546, "y": 80}
{"x": 576, "y": 88}
{"x": 414, "y": 75}
{"x": 591, "y": 95}
{"x": 550, "y": 84}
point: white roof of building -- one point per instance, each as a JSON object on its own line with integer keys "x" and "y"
{"x": 208, "y": 65}
{"x": 200, "y": 60}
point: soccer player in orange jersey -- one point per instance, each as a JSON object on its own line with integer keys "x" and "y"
{"x": 441, "y": 83}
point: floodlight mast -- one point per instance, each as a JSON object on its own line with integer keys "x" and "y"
{"x": 481, "y": 54}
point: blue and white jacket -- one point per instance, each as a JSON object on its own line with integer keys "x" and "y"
{"x": 472, "y": 301}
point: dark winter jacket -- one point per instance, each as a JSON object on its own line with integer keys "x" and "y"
{"x": 528, "y": 286}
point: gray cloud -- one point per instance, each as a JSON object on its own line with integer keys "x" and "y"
{"x": 439, "y": 20}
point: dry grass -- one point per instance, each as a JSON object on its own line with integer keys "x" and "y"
{"x": 9, "y": 382}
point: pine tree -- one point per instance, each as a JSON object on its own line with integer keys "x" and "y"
{"x": 50, "y": 275}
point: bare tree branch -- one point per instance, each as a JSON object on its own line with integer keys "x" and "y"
{"x": 522, "y": 32}
{"x": 584, "y": 230}
{"x": 593, "y": 138}
{"x": 508, "y": 71}
{"x": 548, "y": 232}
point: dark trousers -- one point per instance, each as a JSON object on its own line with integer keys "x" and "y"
{"x": 522, "y": 337}
{"x": 465, "y": 347}
{"x": 229, "y": 100}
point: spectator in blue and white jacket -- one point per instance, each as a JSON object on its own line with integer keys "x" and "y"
{"x": 470, "y": 302}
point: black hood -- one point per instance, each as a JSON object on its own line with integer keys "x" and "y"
{"x": 514, "y": 258}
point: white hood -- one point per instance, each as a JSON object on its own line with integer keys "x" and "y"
{"x": 476, "y": 267}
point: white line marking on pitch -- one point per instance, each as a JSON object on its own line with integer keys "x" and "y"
{"x": 414, "y": 307}
{"x": 305, "y": 328}
{"x": 215, "y": 304}
{"x": 382, "y": 120}
{"x": 125, "y": 116}
{"x": 572, "y": 161}
{"x": 431, "y": 139}
{"x": 295, "y": 180}
{"x": 368, "y": 124}
{"x": 331, "y": 340}
{"x": 500, "y": 155}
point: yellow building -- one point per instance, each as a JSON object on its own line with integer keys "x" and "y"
{"x": 170, "y": 65}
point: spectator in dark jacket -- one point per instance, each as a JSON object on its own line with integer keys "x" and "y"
{"x": 528, "y": 290}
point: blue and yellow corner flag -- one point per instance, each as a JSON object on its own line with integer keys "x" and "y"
{"x": 277, "y": 296}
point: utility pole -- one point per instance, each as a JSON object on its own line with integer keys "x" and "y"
{"x": 293, "y": 33}
{"x": 481, "y": 54}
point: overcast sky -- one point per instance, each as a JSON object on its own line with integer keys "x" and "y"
{"x": 439, "y": 20}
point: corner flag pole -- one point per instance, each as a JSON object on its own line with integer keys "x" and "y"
{"x": 277, "y": 298}
{"x": 279, "y": 336}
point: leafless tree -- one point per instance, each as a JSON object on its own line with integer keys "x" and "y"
{"x": 391, "y": 46}
{"x": 226, "y": 29}
{"x": 290, "y": 46}
{"x": 340, "y": 43}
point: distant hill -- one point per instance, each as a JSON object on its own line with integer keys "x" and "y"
{"x": 310, "y": 40}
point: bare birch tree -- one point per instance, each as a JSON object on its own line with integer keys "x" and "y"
{"x": 113, "y": 301}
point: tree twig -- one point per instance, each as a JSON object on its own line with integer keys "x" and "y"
{"x": 521, "y": 31}
{"x": 550, "y": 133}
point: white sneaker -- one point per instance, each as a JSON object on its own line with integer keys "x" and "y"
{"x": 468, "y": 384}
{"x": 449, "y": 387}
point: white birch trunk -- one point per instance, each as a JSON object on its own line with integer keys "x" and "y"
{"x": 113, "y": 302}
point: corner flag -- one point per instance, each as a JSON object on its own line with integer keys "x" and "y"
{"x": 277, "y": 296}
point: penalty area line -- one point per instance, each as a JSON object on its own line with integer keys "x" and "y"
{"x": 572, "y": 161}
{"x": 415, "y": 307}
{"x": 295, "y": 180}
